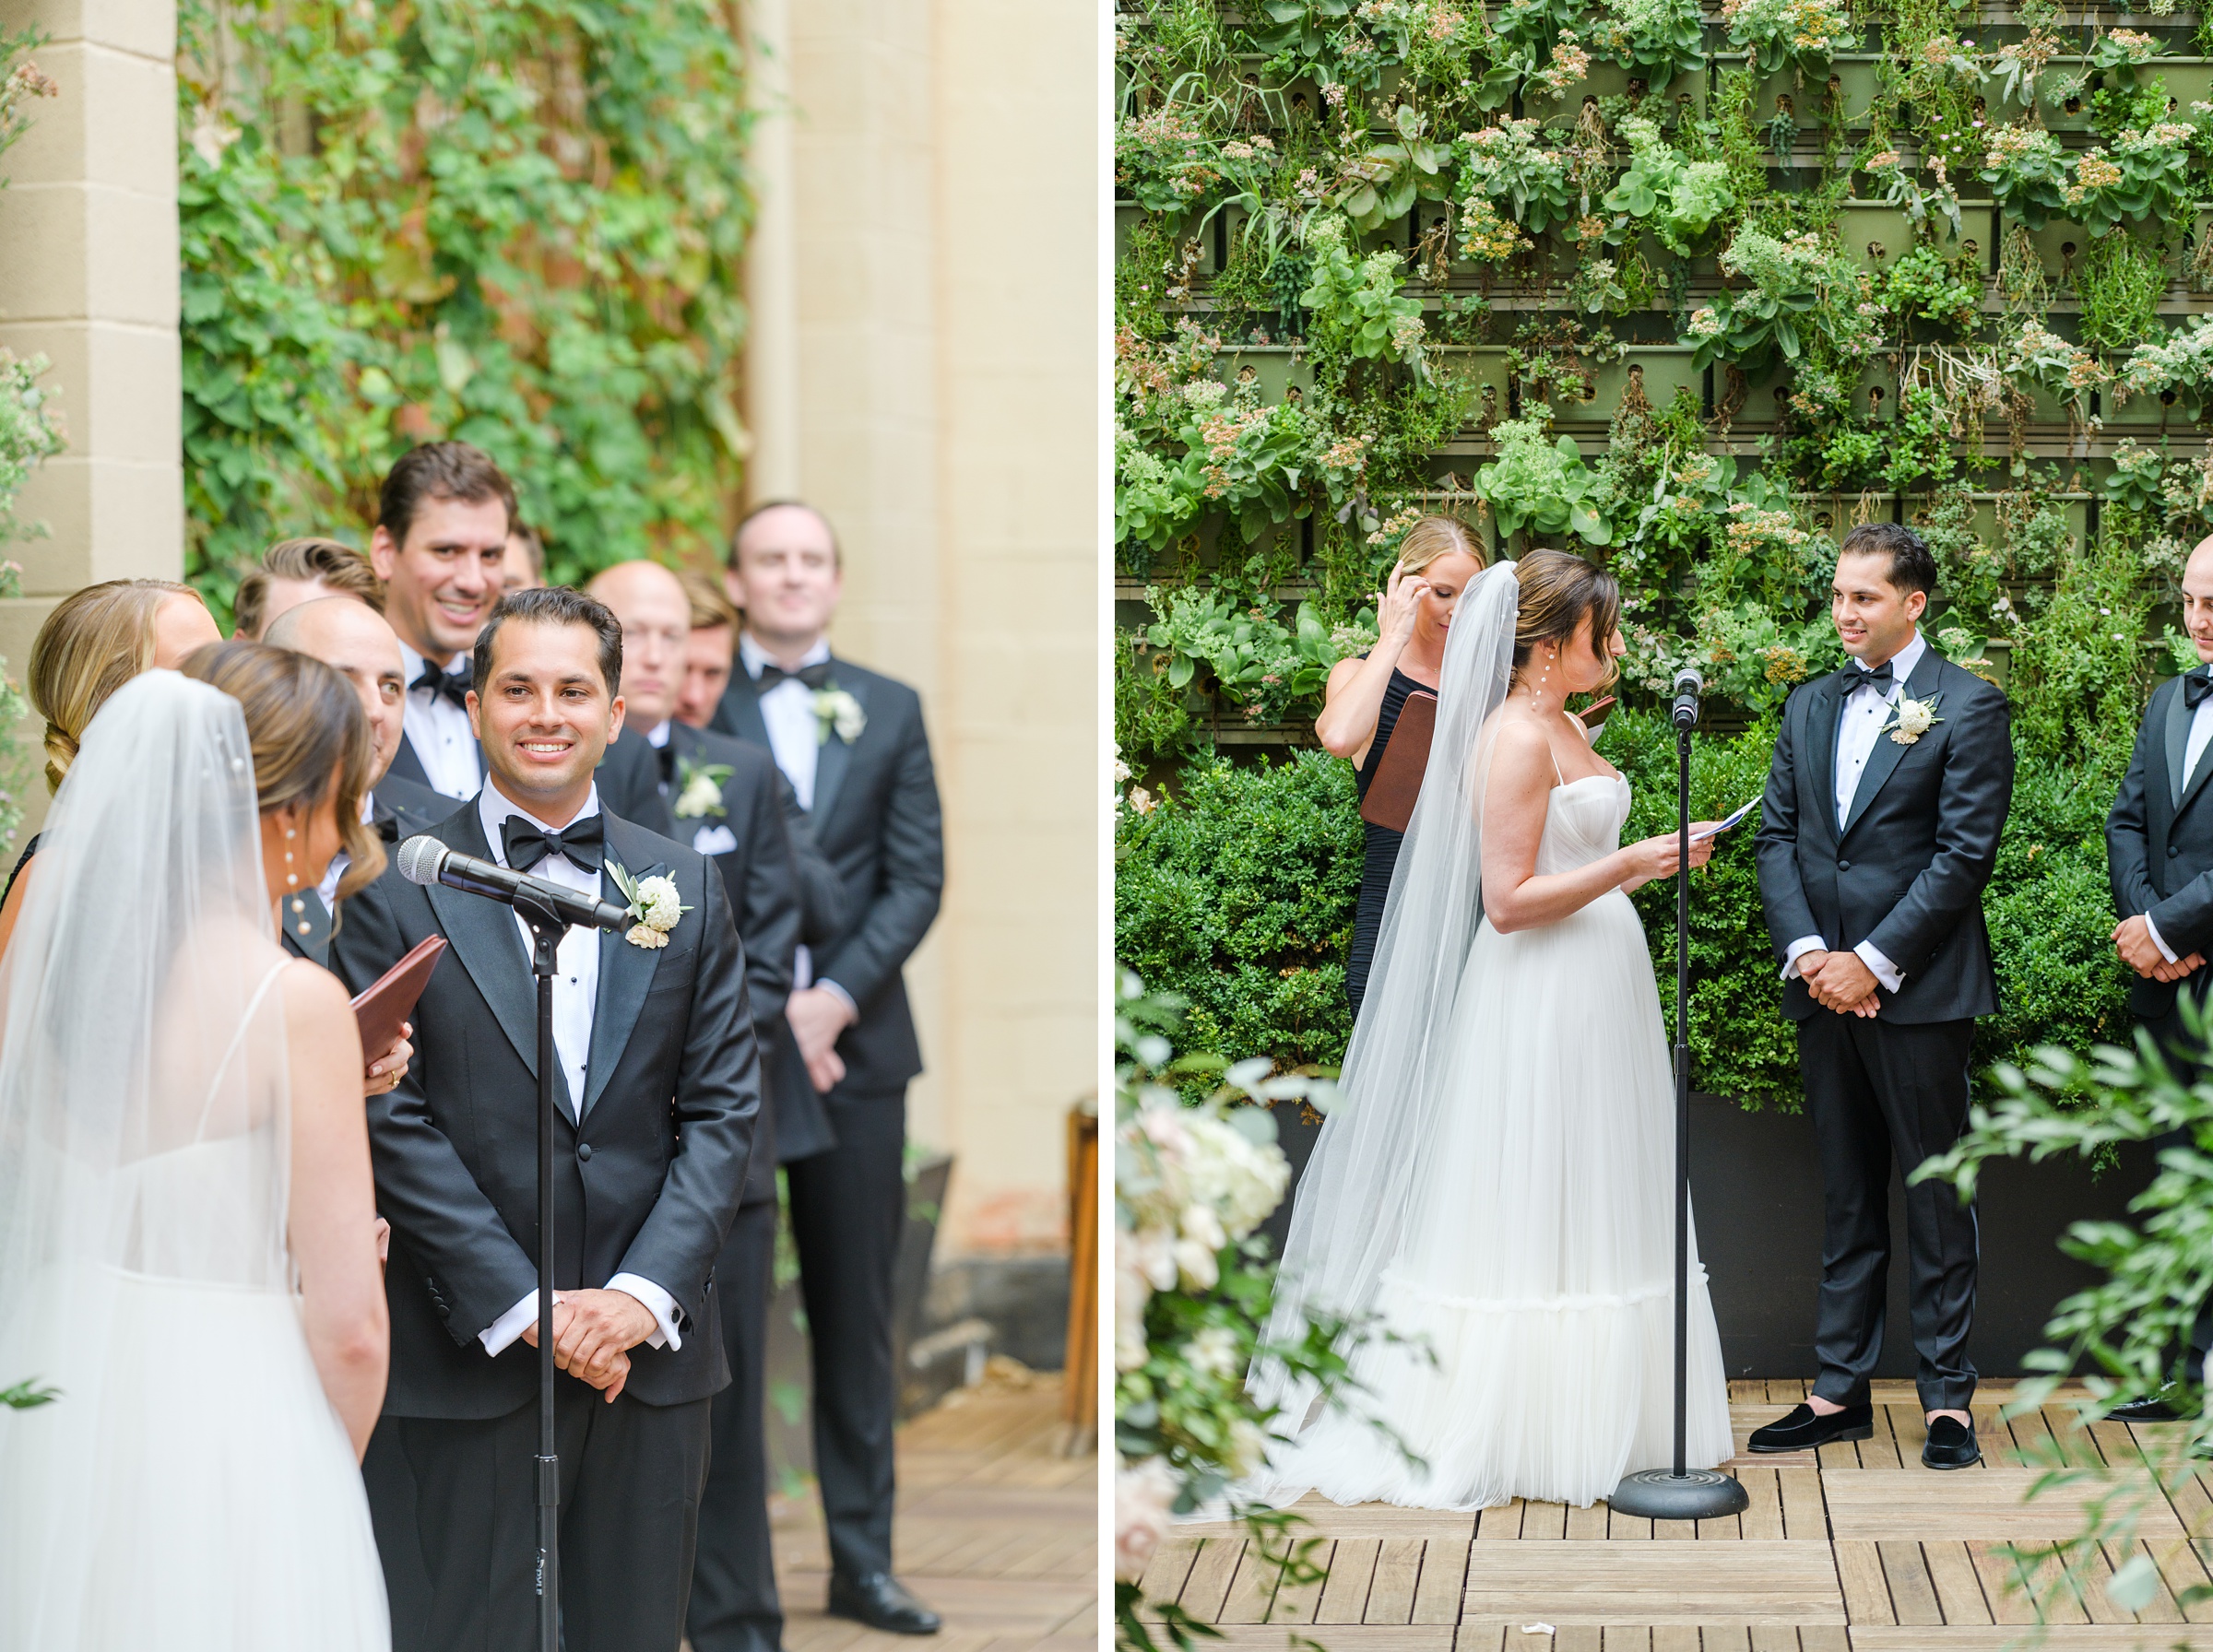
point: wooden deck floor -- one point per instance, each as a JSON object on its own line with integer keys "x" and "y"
{"x": 1861, "y": 1551}
{"x": 994, "y": 1530}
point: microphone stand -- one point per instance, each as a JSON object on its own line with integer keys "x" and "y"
{"x": 1682, "y": 1493}
{"x": 548, "y": 927}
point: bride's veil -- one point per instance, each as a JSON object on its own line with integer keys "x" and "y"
{"x": 143, "y": 1138}
{"x": 1358, "y": 1189}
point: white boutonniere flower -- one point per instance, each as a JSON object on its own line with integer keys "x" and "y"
{"x": 699, "y": 789}
{"x": 1912, "y": 718}
{"x": 836, "y": 710}
{"x": 653, "y": 903}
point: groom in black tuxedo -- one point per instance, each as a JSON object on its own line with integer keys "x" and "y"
{"x": 659, "y": 1088}
{"x": 2158, "y": 850}
{"x": 853, "y": 745}
{"x": 1889, "y": 789}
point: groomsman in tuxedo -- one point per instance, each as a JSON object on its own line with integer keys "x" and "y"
{"x": 355, "y": 640}
{"x": 2159, "y": 850}
{"x": 444, "y": 521}
{"x": 1889, "y": 789}
{"x": 657, "y": 1082}
{"x": 722, "y": 793}
{"x": 853, "y": 746}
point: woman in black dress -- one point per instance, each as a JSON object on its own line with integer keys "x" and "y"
{"x": 1438, "y": 558}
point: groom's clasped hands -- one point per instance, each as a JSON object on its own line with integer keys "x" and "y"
{"x": 593, "y": 1333}
{"x": 1839, "y": 981}
{"x": 2133, "y": 940}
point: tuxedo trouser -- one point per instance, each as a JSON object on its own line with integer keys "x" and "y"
{"x": 2188, "y": 1057}
{"x": 734, "y": 1605}
{"x": 463, "y": 1578}
{"x": 1877, "y": 1090}
{"x": 848, "y": 1207}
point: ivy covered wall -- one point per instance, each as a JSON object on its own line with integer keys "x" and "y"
{"x": 518, "y": 222}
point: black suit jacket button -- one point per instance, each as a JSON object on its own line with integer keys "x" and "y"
{"x": 2172, "y": 850}
{"x": 583, "y": 1151}
{"x": 1843, "y": 865}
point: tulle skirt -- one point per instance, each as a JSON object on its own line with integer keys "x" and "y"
{"x": 191, "y": 1491}
{"x": 1530, "y": 1345}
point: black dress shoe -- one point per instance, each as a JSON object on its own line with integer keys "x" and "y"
{"x": 880, "y": 1601}
{"x": 1805, "y": 1428}
{"x": 2155, "y": 1410}
{"x": 1950, "y": 1444}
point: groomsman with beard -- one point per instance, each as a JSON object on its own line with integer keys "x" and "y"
{"x": 355, "y": 640}
{"x": 2158, "y": 846}
{"x": 657, "y": 1082}
{"x": 1888, "y": 792}
{"x": 444, "y": 518}
{"x": 852, "y": 743}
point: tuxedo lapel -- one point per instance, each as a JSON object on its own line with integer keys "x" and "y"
{"x": 1829, "y": 703}
{"x": 407, "y": 765}
{"x": 2177, "y": 743}
{"x": 1885, "y": 758}
{"x": 484, "y": 938}
{"x": 307, "y": 931}
{"x": 625, "y": 972}
{"x": 833, "y": 756}
{"x": 742, "y": 708}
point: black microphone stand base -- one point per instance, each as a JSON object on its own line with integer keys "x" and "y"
{"x": 1694, "y": 1494}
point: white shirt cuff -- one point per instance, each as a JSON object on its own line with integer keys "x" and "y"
{"x": 658, "y": 1303}
{"x": 842, "y": 995}
{"x": 1797, "y": 949}
{"x": 2159, "y": 940}
{"x": 500, "y": 1335}
{"x": 1884, "y": 970}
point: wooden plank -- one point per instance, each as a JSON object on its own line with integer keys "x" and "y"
{"x": 1326, "y": 1519}
{"x": 2161, "y": 1607}
{"x": 1881, "y": 1449}
{"x": 1624, "y": 1528}
{"x": 1763, "y": 1518}
{"x": 1912, "y": 1595}
{"x": 1866, "y": 1592}
{"x": 1398, "y": 1569}
{"x": 1836, "y": 1458}
{"x": 1165, "y": 1573}
{"x": 2012, "y": 1601}
{"x": 1542, "y": 1520}
{"x": 1634, "y": 1583}
{"x": 1503, "y": 1523}
{"x": 1998, "y": 1638}
{"x": 1444, "y": 1576}
{"x": 1627, "y": 1637}
{"x": 1352, "y": 1570}
{"x": 1208, "y": 1586}
{"x": 2181, "y": 1568}
{"x": 1914, "y": 1504}
{"x": 1826, "y": 1637}
{"x": 1773, "y": 1638}
{"x": 1674, "y": 1531}
{"x": 1357, "y": 1637}
{"x": 1579, "y": 1637}
{"x": 1724, "y": 1637}
{"x": 1295, "y": 1602}
{"x": 1674, "y": 1637}
{"x": 1958, "y": 1590}
{"x": 1805, "y": 1512}
{"x": 1587, "y": 1522}
{"x": 1491, "y": 1637}
{"x": 1252, "y": 1590}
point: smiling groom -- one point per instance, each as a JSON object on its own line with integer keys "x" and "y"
{"x": 657, "y": 1088}
{"x": 1888, "y": 791}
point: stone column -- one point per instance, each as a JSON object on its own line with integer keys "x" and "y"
{"x": 89, "y": 279}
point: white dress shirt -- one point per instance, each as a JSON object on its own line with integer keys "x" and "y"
{"x": 575, "y": 995}
{"x": 2201, "y": 734}
{"x": 438, "y": 729}
{"x": 1860, "y": 723}
{"x": 795, "y": 740}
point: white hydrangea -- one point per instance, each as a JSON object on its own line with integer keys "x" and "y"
{"x": 659, "y": 905}
{"x": 701, "y": 797}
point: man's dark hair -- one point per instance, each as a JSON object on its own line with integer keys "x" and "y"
{"x": 552, "y": 605}
{"x": 439, "y": 470}
{"x": 837, "y": 551}
{"x": 1911, "y": 566}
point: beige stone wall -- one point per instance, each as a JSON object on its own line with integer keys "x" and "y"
{"x": 926, "y": 291}
{"x": 89, "y": 279}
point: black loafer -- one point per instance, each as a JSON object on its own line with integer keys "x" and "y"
{"x": 1950, "y": 1444}
{"x": 2155, "y": 1410}
{"x": 880, "y": 1601}
{"x": 1805, "y": 1428}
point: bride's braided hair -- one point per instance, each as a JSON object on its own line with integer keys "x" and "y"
{"x": 1558, "y": 591}
{"x": 94, "y": 642}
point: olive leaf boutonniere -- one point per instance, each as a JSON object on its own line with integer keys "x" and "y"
{"x": 699, "y": 789}
{"x": 836, "y": 710}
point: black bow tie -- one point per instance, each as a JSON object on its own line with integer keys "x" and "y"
{"x": 816, "y": 675}
{"x": 1879, "y": 679}
{"x": 580, "y": 840}
{"x": 2195, "y": 687}
{"x": 384, "y": 822}
{"x": 454, "y": 687}
{"x": 666, "y": 754}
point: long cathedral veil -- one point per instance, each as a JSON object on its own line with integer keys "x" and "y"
{"x": 144, "y": 1154}
{"x": 1359, "y": 1188}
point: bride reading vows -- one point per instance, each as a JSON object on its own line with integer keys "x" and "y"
{"x": 1495, "y": 1187}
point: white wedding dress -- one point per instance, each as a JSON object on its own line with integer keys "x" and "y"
{"x": 192, "y": 1488}
{"x": 1495, "y": 1189}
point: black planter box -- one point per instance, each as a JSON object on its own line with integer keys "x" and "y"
{"x": 1755, "y": 1196}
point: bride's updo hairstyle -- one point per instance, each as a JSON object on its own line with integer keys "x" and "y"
{"x": 310, "y": 738}
{"x": 94, "y": 642}
{"x": 1435, "y": 537}
{"x": 1559, "y": 590}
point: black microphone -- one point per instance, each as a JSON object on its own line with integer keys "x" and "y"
{"x": 426, "y": 860}
{"x": 1689, "y": 685}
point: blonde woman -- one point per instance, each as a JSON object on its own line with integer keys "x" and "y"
{"x": 94, "y": 642}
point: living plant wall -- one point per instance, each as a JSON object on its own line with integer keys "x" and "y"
{"x": 518, "y": 223}
{"x": 1691, "y": 290}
